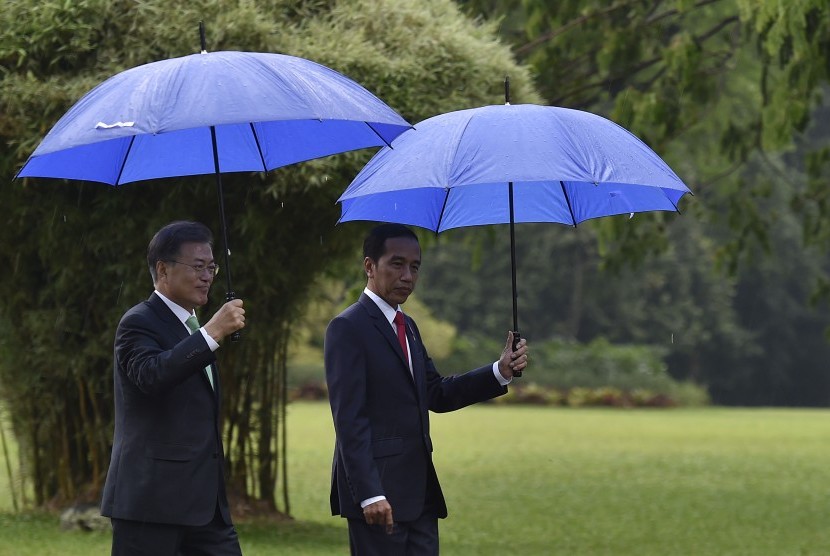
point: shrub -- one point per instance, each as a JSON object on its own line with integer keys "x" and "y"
{"x": 597, "y": 373}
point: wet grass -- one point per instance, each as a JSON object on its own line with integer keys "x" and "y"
{"x": 540, "y": 481}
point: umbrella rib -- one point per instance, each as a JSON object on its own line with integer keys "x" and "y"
{"x": 568, "y": 201}
{"x": 443, "y": 208}
{"x": 124, "y": 163}
{"x": 385, "y": 142}
{"x": 676, "y": 209}
{"x": 448, "y": 188}
{"x": 258, "y": 147}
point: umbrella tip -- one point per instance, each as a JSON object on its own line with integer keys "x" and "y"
{"x": 202, "y": 37}
{"x": 506, "y": 89}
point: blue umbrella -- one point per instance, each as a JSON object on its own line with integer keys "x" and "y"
{"x": 266, "y": 110}
{"x": 511, "y": 163}
{"x": 212, "y": 113}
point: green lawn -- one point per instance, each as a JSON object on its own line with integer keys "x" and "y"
{"x": 539, "y": 481}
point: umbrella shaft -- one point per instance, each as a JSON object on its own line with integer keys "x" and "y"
{"x": 230, "y": 295}
{"x": 513, "y": 257}
{"x": 221, "y": 194}
{"x": 516, "y": 336}
{"x": 227, "y": 247}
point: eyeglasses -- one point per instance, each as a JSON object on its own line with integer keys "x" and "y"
{"x": 212, "y": 269}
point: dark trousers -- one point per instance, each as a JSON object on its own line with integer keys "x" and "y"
{"x": 136, "y": 538}
{"x": 408, "y": 538}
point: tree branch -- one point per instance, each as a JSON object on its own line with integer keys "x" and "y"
{"x": 674, "y": 11}
{"x": 541, "y": 39}
{"x": 632, "y": 71}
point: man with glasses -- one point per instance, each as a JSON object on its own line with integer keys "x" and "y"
{"x": 165, "y": 489}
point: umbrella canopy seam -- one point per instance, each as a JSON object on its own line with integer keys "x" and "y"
{"x": 258, "y": 147}
{"x": 568, "y": 202}
{"x": 124, "y": 161}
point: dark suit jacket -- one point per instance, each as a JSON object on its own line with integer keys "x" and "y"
{"x": 381, "y": 419}
{"x": 166, "y": 464}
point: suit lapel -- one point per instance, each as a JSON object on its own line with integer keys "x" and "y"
{"x": 172, "y": 324}
{"x": 385, "y": 329}
{"x": 177, "y": 329}
{"x": 214, "y": 371}
{"x": 214, "y": 390}
{"x": 415, "y": 352}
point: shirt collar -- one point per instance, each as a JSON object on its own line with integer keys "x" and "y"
{"x": 180, "y": 312}
{"x": 387, "y": 310}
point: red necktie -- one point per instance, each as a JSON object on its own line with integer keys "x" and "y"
{"x": 402, "y": 335}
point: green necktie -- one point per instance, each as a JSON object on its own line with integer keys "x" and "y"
{"x": 193, "y": 324}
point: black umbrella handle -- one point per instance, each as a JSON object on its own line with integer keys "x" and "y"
{"x": 230, "y": 296}
{"x": 516, "y": 339}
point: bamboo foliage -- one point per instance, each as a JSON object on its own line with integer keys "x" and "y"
{"x": 73, "y": 253}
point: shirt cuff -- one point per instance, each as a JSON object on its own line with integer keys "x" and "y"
{"x": 503, "y": 381}
{"x": 210, "y": 341}
{"x": 372, "y": 500}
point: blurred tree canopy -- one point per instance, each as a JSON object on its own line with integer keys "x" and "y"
{"x": 732, "y": 94}
{"x": 725, "y": 90}
{"x": 712, "y": 85}
{"x": 73, "y": 253}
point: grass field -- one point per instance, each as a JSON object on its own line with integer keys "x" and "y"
{"x": 540, "y": 481}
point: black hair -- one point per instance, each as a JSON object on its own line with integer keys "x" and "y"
{"x": 167, "y": 243}
{"x": 374, "y": 246}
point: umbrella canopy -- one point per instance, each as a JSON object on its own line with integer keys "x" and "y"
{"x": 511, "y": 163}
{"x": 565, "y": 166}
{"x": 211, "y": 113}
{"x": 155, "y": 120}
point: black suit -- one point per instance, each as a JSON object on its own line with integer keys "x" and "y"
{"x": 380, "y": 411}
{"x": 167, "y": 456}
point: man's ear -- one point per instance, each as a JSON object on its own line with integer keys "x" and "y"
{"x": 161, "y": 271}
{"x": 369, "y": 266}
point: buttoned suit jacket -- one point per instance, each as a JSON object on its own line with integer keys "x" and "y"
{"x": 381, "y": 412}
{"x": 167, "y": 458}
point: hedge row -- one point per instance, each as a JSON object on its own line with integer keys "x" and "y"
{"x": 535, "y": 394}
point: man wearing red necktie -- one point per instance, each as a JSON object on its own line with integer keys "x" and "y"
{"x": 382, "y": 384}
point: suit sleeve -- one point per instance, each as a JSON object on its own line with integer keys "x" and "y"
{"x": 141, "y": 355}
{"x": 448, "y": 393}
{"x": 345, "y": 362}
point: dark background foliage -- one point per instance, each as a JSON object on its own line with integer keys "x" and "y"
{"x": 731, "y": 295}
{"x": 74, "y": 252}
